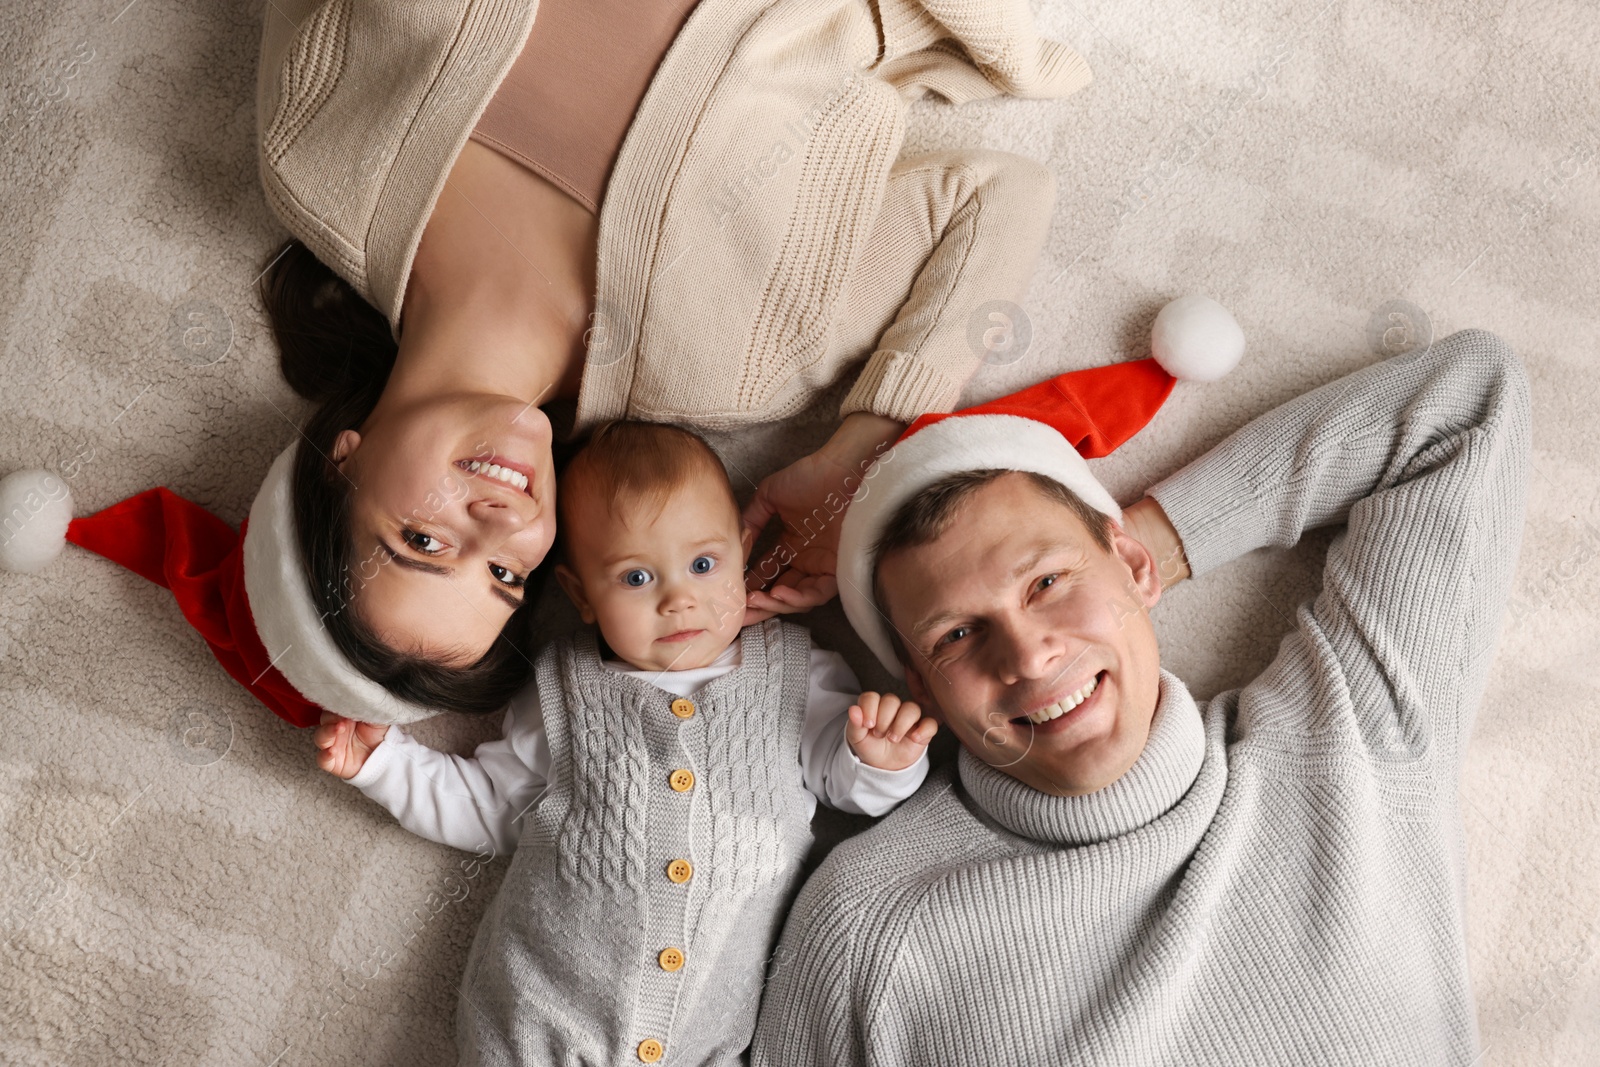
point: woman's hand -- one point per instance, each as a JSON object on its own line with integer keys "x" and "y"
{"x": 810, "y": 496}
{"x": 344, "y": 744}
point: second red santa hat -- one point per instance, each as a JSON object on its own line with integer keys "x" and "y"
{"x": 246, "y": 593}
{"x": 1049, "y": 429}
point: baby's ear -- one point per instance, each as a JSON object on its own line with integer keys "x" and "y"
{"x": 747, "y": 538}
{"x": 574, "y": 590}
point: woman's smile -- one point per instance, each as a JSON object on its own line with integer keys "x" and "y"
{"x": 499, "y": 469}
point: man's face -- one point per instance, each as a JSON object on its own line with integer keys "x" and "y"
{"x": 1014, "y": 614}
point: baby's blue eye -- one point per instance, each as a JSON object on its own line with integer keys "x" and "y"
{"x": 702, "y": 564}
{"x": 637, "y": 577}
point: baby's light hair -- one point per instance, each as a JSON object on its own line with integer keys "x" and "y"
{"x": 637, "y": 463}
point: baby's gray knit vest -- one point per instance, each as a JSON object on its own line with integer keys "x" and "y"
{"x": 601, "y": 941}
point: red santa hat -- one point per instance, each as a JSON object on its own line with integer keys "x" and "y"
{"x": 245, "y": 592}
{"x": 1049, "y": 429}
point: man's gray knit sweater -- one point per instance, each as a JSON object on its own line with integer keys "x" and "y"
{"x": 1278, "y": 878}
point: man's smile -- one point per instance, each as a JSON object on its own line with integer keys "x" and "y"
{"x": 1059, "y": 715}
{"x": 1064, "y": 699}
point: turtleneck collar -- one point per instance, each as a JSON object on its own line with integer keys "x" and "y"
{"x": 1157, "y": 780}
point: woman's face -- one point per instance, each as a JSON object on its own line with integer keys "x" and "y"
{"x": 443, "y": 543}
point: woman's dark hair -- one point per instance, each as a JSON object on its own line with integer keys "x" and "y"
{"x": 336, "y": 350}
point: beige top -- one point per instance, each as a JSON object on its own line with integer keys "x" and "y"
{"x": 565, "y": 105}
{"x": 757, "y": 218}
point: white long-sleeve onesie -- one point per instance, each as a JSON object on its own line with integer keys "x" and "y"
{"x": 478, "y": 802}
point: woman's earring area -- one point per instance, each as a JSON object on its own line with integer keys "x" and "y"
{"x": 343, "y": 445}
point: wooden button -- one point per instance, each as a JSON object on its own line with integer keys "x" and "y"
{"x": 679, "y": 870}
{"x": 681, "y": 780}
{"x": 650, "y": 1050}
{"x": 670, "y": 959}
{"x": 683, "y": 707}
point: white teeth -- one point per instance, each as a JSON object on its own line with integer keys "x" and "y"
{"x": 1066, "y": 704}
{"x": 515, "y": 479}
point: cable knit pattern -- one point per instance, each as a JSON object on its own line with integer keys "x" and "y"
{"x": 846, "y": 164}
{"x": 566, "y": 962}
{"x": 752, "y": 186}
{"x": 1277, "y": 879}
{"x": 309, "y": 74}
{"x": 601, "y": 759}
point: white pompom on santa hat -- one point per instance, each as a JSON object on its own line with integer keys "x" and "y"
{"x": 1048, "y": 429}
{"x": 245, "y": 591}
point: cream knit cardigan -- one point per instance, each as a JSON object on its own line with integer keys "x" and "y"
{"x": 742, "y": 198}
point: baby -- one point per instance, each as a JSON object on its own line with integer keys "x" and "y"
{"x": 657, "y": 782}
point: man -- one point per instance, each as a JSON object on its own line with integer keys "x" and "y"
{"x": 1111, "y": 874}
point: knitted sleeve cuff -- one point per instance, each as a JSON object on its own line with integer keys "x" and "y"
{"x": 900, "y": 386}
{"x": 1214, "y": 505}
{"x": 960, "y": 52}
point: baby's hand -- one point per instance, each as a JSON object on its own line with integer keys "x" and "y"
{"x": 888, "y": 733}
{"x": 345, "y": 744}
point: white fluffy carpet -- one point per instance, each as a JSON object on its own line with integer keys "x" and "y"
{"x": 181, "y": 886}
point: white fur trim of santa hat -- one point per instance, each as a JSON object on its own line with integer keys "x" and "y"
{"x": 287, "y": 620}
{"x": 950, "y": 446}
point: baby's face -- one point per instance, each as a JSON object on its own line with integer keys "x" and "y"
{"x": 667, "y": 589}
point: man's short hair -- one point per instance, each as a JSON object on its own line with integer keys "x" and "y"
{"x": 927, "y": 516}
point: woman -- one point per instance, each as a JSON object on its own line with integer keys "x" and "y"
{"x": 752, "y": 241}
